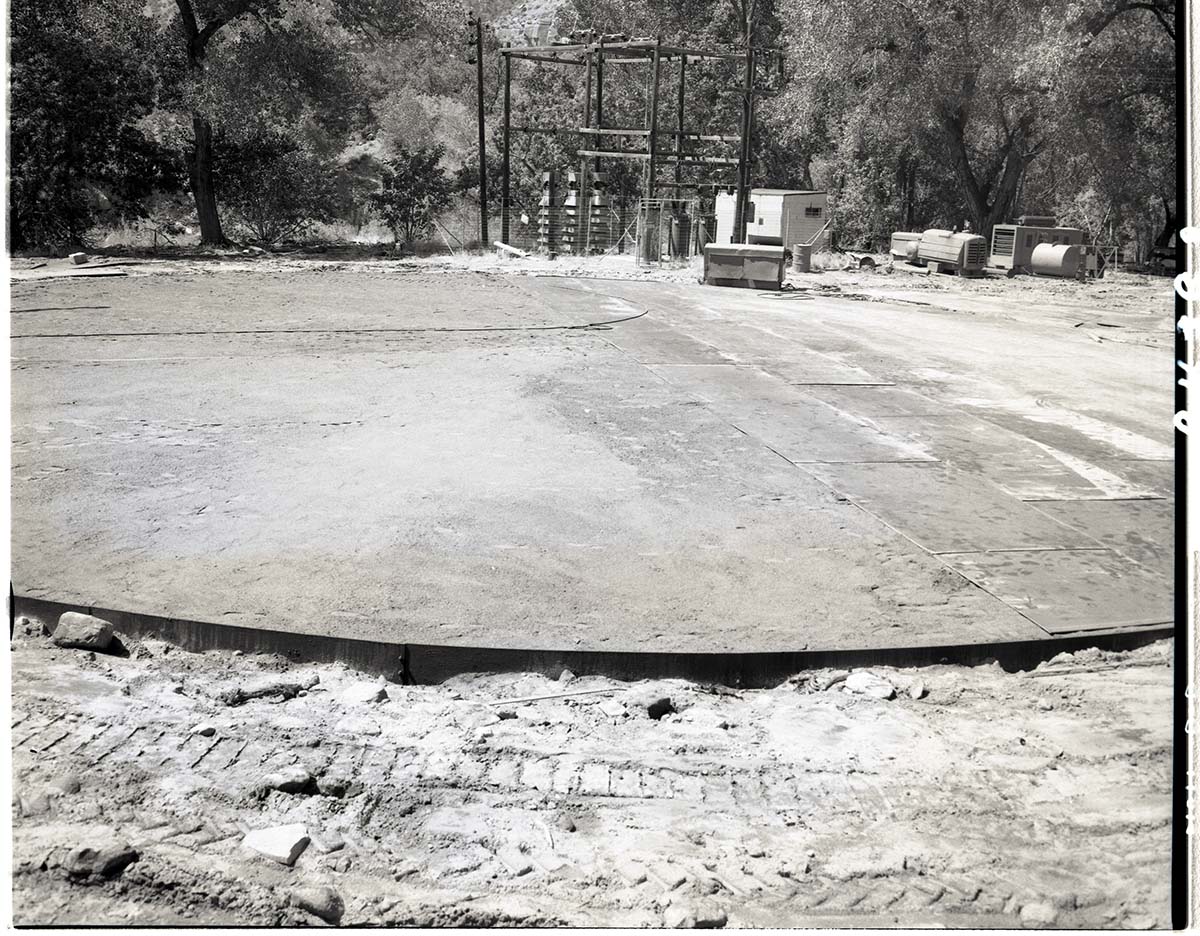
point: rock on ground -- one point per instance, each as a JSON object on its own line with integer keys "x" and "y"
{"x": 1039, "y": 914}
{"x": 293, "y": 779}
{"x": 868, "y": 684}
{"x": 335, "y": 782}
{"x": 108, "y": 860}
{"x": 327, "y": 842}
{"x": 701, "y": 915}
{"x": 320, "y": 900}
{"x": 364, "y": 693}
{"x": 65, "y": 785}
{"x": 279, "y": 843}
{"x": 82, "y": 631}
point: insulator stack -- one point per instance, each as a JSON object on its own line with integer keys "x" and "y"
{"x": 549, "y": 234}
{"x": 572, "y": 227}
{"x": 599, "y": 214}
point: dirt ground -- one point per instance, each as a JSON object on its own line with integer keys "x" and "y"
{"x": 974, "y": 797}
{"x": 437, "y": 452}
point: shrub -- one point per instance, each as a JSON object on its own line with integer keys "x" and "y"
{"x": 275, "y": 189}
{"x": 415, "y": 190}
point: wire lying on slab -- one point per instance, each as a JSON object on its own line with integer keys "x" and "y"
{"x": 340, "y": 331}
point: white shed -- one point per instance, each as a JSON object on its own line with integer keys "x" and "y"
{"x": 777, "y": 216}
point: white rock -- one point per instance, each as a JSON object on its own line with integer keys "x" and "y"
{"x": 632, "y": 872}
{"x": 82, "y": 631}
{"x": 516, "y": 862}
{"x": 78, "y": 258}
{"x": 709, "y": 916}
{"x": 916, "y": 690}
{"x": 321, "y": 900}
{"x": 1039, "y": 914}
{"x": 327, "y": 842}
{"x": 293, "y": 779}
{"x": 612, "y": 708}
{"x": 679, "y": 916}
{"x": 868, "y": 684}
{"x": 364, "y": 693}
{"x": 279, "y": 843}
{"x": 207, "y": 729}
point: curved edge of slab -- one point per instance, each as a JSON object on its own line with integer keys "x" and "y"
{"x": 411, "y": 663}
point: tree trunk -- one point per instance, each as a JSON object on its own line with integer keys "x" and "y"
{"x": 985, "y": 212}
{"x": 203, "y": 190}
{"x": 1168, "y": 231}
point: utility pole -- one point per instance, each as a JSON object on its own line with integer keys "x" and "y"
{"x": 474, "y": 22}
{"x": 743, "y": 185}
{"x": 504, "y": 193}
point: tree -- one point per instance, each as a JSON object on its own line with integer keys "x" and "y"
{"x": 82, "y": 79}
{"x": 196, "y": 37}
{"x": 301, "y": 60}
{"x": 414, "y": 190}
{"x": 976, "y": 92}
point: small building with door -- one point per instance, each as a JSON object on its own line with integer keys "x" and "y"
{"x": 782, "y": 217}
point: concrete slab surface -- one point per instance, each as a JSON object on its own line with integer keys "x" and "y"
{"x": 407, "y": 452}
{"x": 1072, "y": 590}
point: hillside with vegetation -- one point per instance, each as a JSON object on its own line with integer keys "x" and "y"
{"x": 270, "y": 121}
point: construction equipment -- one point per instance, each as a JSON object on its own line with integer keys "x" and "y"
{"x": 904, "y": 245}
{"x": 1056, "y": 260}
{"x": 950, "y": 252}
{"x": 1013, "y": 244}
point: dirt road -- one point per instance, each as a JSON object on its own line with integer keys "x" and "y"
{"x": 973, "y": 797}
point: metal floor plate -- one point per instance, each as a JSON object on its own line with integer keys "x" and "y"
{"x": 947, "y": 510}
{"x": 802, "y": 429}
{"x": 1067, "y": 591}
{"x": 1013, "y": 463}
{"x": 1142, "y": 530}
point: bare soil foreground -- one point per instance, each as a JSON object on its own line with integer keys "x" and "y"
{"x": 973, "y": 797}
{"x": 458, "y": 454}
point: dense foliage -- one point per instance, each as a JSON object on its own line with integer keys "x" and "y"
{"x": 414, "y": 191}
{"x": 82, "y": 80}
{"x": 268, "y": 115}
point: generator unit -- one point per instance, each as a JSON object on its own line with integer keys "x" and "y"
{"x": 948, "y": 252}
{"x": 1013, "y": 244}
{"x": 904, "y": 245}
{"x": 781, "y": 217}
